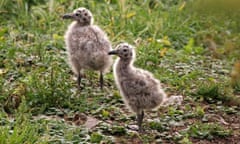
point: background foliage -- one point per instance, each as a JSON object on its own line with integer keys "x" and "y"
{"x": 192, "y": 46}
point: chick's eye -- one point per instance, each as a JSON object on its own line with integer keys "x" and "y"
{"x": 77, "y": 14}
{"x": 125, "y": 50}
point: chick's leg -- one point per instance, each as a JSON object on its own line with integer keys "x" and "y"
{"x": 101, "y": 80}
{"x": 140, "y": 117}
{"x": 79, "y": 78}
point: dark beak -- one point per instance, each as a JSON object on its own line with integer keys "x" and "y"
{"x": 113, "y": 52}
{"x": 67, "y": 16}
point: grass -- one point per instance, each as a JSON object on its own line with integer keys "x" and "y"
{"x": 207, "y": 131}
{"x": 170, "y": 39}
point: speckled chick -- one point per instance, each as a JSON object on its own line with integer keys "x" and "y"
{"x": 140, "y": 90}
{"x": 87, "y": 45}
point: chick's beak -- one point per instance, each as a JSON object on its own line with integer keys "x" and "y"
{"x": 67, "y": 16}
{"x": 113, "y": 52}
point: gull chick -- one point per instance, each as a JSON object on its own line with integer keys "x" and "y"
{"x": 138, "y": 87}
{"x": 87, "y": 45}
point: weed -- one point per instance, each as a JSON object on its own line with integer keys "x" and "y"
{"x": 96, "y": 138}
{"x": 217, "y": 92}
{"x": 199, "y": 111}
{"x": 157, "y": 126}
{"x": 207, "y": 131}
{"x": 22, "y": 129}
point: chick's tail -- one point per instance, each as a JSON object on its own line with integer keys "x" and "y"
{"x": 173, "y": 100}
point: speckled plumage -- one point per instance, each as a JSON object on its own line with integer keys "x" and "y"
{"x": 140, "y": 90}
{"x": 87, "y": 45}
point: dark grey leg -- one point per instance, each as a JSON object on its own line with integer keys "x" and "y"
{"x": 140, "y": 120}
{"x": 79, "y": 81}
{"x": 101, "y": 80}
